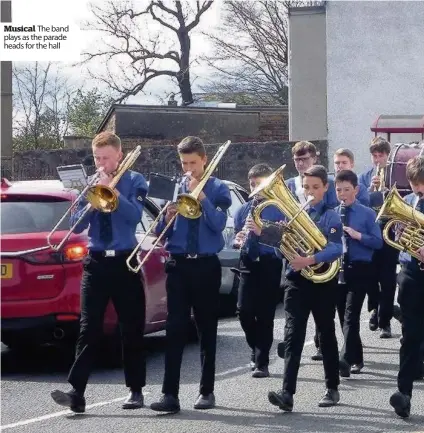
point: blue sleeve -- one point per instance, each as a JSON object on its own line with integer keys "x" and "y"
{"x": 373, "y": 238}
{"x": 130, "y": 208}
{"x": 330, "y": 198}
{"x": 363, "y": 179}
{"x": 76, "y": 215}
{"x": 215, "y": 214}
{"x": 334, "y": 248}
{"x": 363, "y": 195}
{"x": 160, "y": 226}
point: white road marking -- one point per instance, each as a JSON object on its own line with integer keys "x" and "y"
{"x": 62, "y": 412}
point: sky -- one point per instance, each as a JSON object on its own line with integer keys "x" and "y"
{"x": 158, "y": 89}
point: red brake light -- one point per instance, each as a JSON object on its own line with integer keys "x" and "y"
{"x": 43, "y": 257}
{"x": 75, "y": 252}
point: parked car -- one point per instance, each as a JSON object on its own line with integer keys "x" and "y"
{"x": 40, "y": 297}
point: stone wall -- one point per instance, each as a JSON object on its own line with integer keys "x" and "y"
{"x": 41, "y": 164}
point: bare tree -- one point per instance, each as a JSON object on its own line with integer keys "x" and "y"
{"x": 135, "y": 53}
{"x": 251, "y": 50}
{"x": 41, "y": 101}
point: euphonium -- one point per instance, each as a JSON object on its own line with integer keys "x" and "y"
{"x": 301, "y": 236}
{"x": 408, "y": 223}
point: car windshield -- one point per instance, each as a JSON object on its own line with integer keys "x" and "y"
{"x": 31, "y": 216}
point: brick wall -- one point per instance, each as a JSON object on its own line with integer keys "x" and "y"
{"x": 41, "y": 164}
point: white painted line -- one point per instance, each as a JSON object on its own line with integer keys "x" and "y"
{"x": 63, "y": 412}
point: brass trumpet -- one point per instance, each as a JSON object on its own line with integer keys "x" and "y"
{"x": 100, "y": 197}
{"x": 188, "y": 205}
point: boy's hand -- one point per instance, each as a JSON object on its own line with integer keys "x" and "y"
{"x": 353, "y": 233}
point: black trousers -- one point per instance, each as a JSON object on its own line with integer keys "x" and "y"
{"x": 257, "y": 301}
{"x": 191, "y": 284}
{"x": 301, "y": 298}
{"x": 357, "y": 277}
{"x": 104, "y": 279}
{"x": 411, "y": 302}
{"x": 381, "y": 293}
{"x": 341, "y": 295}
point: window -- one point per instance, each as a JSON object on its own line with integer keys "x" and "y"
{"x": 146, "y": 220}
{"x": 32, "y": 216}
{"x": 236, "y": 203}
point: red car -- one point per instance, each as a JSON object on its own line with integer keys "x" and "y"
{"x": 40, "y": 296}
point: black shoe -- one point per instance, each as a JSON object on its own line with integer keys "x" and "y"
{"x": 135, "y": 400}
{"x": 167, "y": 403}
{"x": 282, "y": 399}
{"x": 261, "y": 372}
{"x": 72, "y": 399}
{"x": 356, "y": 368}
{"x": 401, "y": 403}
{"x": 331, "y": 398}
{"x": 205, "y": 401}
{"x": 281, "y": 349}
{"x": 317, "y": 356}
{"x": 386, "y": 332}
{"x": 373, "y": 323}
{"x": 344, "y": 368}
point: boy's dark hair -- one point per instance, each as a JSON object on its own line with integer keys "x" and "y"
{"x": 347, "y": 176}
{"x": 304, "y": 147}
{"x": 317, "y": 171}
{"x": 415, "y": 170}
{"x": 106, "y": 138}
{"x": 192, "y": 144}
{"x": 345, "y": 152}
{"x": 259, "y": 170}
{"x": 380, "y": 144}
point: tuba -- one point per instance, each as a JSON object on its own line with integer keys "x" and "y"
{"x": 408, "y": 223}
{"x": 188, "y": 205}
{"x": 300, "y": 233}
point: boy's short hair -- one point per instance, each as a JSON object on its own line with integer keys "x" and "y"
{"x": 415, "y": 170}
{"x": 380, "y": 144}
{"x": 317, "y": 171}
{"x": 106, "y": 138}
{"x": 347, "y": 176}
{"x": 304, "y": 147}
{"x": 259, "y": 170}
{"x": 344, "y": 151}
{"x": 192, "y": 144}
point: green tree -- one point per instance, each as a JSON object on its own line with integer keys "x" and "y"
{"x": 87, "y": 111}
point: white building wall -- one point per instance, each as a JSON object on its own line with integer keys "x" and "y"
{"x": 375, "y": 65}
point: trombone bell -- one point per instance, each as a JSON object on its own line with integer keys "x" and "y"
{"x": 102, "y": 198}
{"x": 188, "y": 206}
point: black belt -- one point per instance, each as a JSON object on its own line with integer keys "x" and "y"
{"x": 110, "y": 253}
{"x": 192, "y": 256}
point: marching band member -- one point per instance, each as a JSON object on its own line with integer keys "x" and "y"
{"x": 303, "y": 296}
{"x": 304, "y": 157}
{"x": 343, "y": 160}
{"x": 193, "y": 278}
{"x": 362, "y": 236}
{"x": 382, "y": 292}
{"x": 106, "y": 276}
{"x": 259, "y": 286}
{"x": 411, "y": 301}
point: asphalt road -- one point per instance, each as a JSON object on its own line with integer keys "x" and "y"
{"x": 242, "y": 405}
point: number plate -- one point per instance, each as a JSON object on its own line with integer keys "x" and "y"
{"x": 6, "y": 270}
